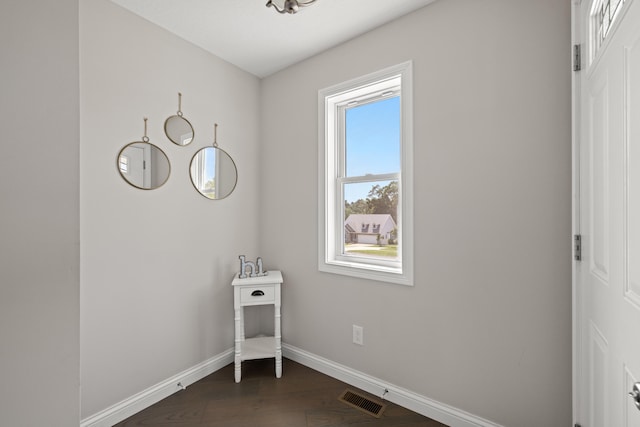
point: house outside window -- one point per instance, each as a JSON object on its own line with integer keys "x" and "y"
{"x": 365, "y": 191}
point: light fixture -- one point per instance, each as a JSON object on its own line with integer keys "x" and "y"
{"x": 290, "y": 6}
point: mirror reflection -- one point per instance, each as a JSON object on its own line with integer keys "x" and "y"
{"x": 213, "y": 173}
{"x": 178, "y": 130}
{"x": 143, "y": 165}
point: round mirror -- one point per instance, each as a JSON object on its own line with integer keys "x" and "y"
{"x": 178, "y": 130}
{"x": 213, "y": 173}
{"x": 143, "y": 165}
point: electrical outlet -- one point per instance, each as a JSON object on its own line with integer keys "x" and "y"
{"x": 358, "y": 335}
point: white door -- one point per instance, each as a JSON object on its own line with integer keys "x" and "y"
{"x": 135, "y": 164}
{"x": 607, "y": 213}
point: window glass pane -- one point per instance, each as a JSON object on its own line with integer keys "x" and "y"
{"x": 370, "y": 219}
{"x": 614, "y": 6}
{"x": 604, "y": 15}
{"x": 606, "y": 18}
{"x": 124, "y": 164}
{"x": 373, "y": 138}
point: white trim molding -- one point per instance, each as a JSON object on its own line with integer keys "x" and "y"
{"x": 438, "y": 411}
{"x": 433, "y": 409}
{"x": 332, "y": 177}
{"x": 136, "y": 403}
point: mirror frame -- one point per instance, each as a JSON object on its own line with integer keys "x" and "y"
{"x": 179, "y": 116}
{"x": 119, "y": 168}
{"x": 235, "y": 184}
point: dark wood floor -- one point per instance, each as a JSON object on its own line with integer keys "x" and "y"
{"x": 301, "y": 398}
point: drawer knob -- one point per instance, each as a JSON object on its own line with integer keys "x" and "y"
{"x": 257, "y": 293}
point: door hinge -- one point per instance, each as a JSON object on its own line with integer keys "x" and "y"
{"x": 577, "y": 247}
{"x": 577, "y": 425}
{"x": 577, "y": 57}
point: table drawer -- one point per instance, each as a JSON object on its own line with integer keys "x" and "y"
{"x": 257, "y": 295}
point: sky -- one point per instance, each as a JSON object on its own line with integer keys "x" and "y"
{"x": 373, "y": 143}
{"x": 210, "y": 164}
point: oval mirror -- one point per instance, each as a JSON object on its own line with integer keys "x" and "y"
{"x": 178, "y": 130}
{"x": 213, "y": 173}
{"x": 143, "y": 165}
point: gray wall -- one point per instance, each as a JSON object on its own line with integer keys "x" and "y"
{"x": 39, "y": 231}
{"x": 487, "y": 326}
{"x": 157, "y": 265}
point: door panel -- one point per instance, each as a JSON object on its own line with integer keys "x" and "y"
{"x": 601, "y": 124}
{"x": 607, "y": 282}
{"x": 599, "y": 158}
{"x": 632, "y": 195}
{"x": 598, "y": 362}
{"x": 629, "y": 324}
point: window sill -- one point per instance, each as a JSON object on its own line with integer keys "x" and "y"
{"x": 367, "y": 271}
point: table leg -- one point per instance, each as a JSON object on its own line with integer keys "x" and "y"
{"x": 278, "y": 336}
{"x": 238, "y": 344}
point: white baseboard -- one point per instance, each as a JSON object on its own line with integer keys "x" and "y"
{"x": 136, "y": 403}
{"x": 441, "y": 412}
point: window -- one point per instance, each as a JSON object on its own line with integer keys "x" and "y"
{"x": 365, "y": 190}
{"x": 124, "y": 164}
{"x": 603, "y": 14}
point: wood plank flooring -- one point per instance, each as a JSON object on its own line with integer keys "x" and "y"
{"x": 301, "y": 398}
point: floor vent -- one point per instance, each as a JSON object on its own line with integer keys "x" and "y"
{"x": 362, "y": 403}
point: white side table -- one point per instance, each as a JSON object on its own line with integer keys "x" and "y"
{"x": 263, "y": 290}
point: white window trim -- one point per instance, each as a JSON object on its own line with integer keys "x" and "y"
{"x": 328, "y": 260}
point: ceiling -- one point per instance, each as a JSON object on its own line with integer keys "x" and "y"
{"x": 258, "y": 39}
